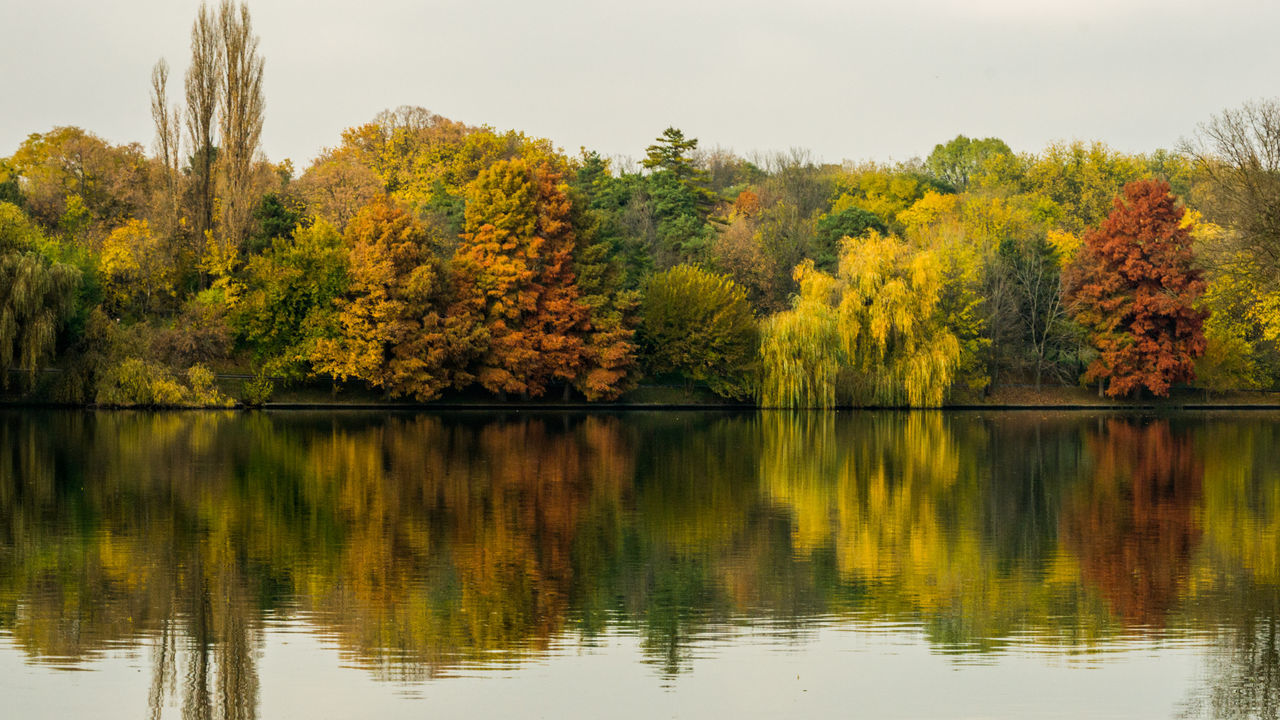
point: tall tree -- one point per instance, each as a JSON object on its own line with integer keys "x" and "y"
{"x": 1134, "y": 286}
{"x": 168, "y": 125}
{"x": 1238, "y": 154}
{"x": 495, "y": 270}
{"x": 515, "y": 273}
{"x": 204, "y": 93}
{"x": 681, "y": 200}
{"x": 240, "y": 119}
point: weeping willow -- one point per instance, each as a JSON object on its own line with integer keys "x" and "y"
{"x": 35, "y": 297}
{"x": 871, "y": 335}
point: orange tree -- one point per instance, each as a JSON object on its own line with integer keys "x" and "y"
{"x": 1133, "y": 287}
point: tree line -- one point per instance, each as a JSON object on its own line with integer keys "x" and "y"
{"x": 422, "y": 256}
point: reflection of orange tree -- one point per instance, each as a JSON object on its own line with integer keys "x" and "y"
{"x": 1133, "y": 525}
{"x": 458, "y": 540}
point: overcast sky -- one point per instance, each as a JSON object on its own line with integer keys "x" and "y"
{"x": 843, "y": 78}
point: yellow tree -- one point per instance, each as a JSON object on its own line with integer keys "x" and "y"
{"x": 393, "y": 333}
{"x": 874, "y": 334}
{"x": 138, "y": 268}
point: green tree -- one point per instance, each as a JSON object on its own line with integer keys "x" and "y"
{"x": 682, "y": 202}
{"x": 289, "y": 303}
{"x": 962, "y": 160}
{"x": 36, "y": 296}
{"x": 698, "y": 324}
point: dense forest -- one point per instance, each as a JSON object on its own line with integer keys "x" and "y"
{"x": 421, "y": 257}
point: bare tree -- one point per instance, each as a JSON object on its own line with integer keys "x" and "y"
{"x": 1238, "y": 153}
{"x": 203, "y": 90}
{"x": 240, "y": 119}
{"x": 168, "y": 138}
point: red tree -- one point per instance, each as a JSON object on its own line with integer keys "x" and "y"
{"x": 1133, "y": 286}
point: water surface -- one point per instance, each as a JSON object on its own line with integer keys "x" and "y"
{"x": 315, "y": 565}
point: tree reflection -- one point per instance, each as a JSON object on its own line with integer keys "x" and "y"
{"x": 1133, "y": 524}
{"x": 422, "y": 544}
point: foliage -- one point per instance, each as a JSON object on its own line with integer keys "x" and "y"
{"x": 832, "y": 228}
{"x": 134, "y": 382}
{"x": 76, "y": 183}
{"x": 874, "y": 334}
{"x": 698, "y": 324}
{"x": 1082, "y": 180}
{"x": 137, "y": 269}
{"x": 290, "y": 301}
{"x": 391, "y": 329}
{"x": 1134, "y": 287}
{"x": 36, "y": 296}
{"x": 963, "y": 160}
{"x": 682, "y": 202}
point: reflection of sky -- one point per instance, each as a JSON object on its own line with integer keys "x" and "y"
{"x": 837, "y": 672}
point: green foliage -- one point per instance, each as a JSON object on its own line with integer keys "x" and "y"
{"x": 682, "y": 201}
{"x": 276, "y": 216}
{"x": 290, "y": 301}
{"x": 258, "y": 389}
{"x": 833, "y": 227}
{"x": 36, "y": 296}
{"x": 698, "y": 324}
{"x": 963, "y": 160}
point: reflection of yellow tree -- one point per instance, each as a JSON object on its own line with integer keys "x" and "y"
{"x": 899, "y": 499}
{"x": 1241, "y": 510}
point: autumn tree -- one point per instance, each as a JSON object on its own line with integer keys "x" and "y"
{"x": 203, "y": 92}
{"x": 1238, "y": 154}
{"x": 1081, "y": 180}
{"x": 514, "y": 274}
{"x": 1134, "y": 288}
{"x": 698, "y": 325}
{"x": 392, "y": 329}
{"x": 137, "y": 267}
{"x": 168, "y": 125}
{"x": 80, "y": 186}
{"x": 874, "y": 334}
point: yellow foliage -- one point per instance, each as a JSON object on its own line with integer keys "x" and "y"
{"x": 138, "y": 269}
{"x": 872, "y": 335}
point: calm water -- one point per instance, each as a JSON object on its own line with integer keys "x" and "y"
{"x": 322, "y": 565}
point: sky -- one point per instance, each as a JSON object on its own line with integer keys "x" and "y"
{"x": 846, "y": 80}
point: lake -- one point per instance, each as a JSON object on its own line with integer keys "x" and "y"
{"x": 639, "y": 565}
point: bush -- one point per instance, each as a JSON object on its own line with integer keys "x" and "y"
{"x": 698, "y": 324}
{"x": 133, "y": 382}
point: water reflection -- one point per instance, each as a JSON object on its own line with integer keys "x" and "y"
{"x": 425, "y": 545}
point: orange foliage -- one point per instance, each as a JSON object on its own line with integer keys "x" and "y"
{"x": 513, "y": 273}
{"x": 1133, "y": 286}
{"x": 1134, "y": 527}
